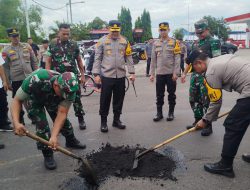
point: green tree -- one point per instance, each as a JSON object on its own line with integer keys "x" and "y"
{"x": 97, "y": 23}
{"x": 12, "y": 14}
{"x": 145, "y": 23}
{"x": 178, "y": 34}
{"x": 126, "y": 23}
{"x": 80, "y": 32}
{"x": 217, "y": 27}
{"x": 138, "y": 23}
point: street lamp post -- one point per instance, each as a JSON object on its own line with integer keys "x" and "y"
{"x": 27, "y": 18}
{"x": 70, "y": 10}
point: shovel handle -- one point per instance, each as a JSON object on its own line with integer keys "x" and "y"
{"x": 59, "y": 148}
{"x": 174, "y": 138}
{"x": 166, "y": 142}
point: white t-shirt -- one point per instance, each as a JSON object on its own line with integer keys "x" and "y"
{"x": 1, "y": 63}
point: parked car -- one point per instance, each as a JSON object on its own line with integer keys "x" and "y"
{"x": 228, "y": 48}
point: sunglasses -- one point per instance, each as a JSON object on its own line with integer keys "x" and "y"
{"x": 163, "y": 30}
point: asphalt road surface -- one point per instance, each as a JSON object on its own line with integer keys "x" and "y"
{"x": 21, "y": 164}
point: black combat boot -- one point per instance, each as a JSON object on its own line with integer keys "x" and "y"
{"x": 159, "y": 115}
{"x": 170, "y": 113}
{"x": 117, "y": 122}
{"x": 246, "y": 157}
{"x": 2, "y": 146}
{"x": 49, "y": 161}
{"x": 72, "y": 142}
{"x": 82, "y": 124}
{"x": 220, "y": 168}
{"x": 104, "y": 126}
{"x": 208, "y": 130}
{"x": 5, "y": 127}
{"x": 193, "y": 125}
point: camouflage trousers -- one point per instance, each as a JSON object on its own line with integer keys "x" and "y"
{"x": 198, "y": 97}
{"x": 78, "y": 108}
{"x": 37, "y": 113}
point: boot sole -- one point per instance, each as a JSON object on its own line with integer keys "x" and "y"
{"x": 118, "y": 127}
{"x": 245, "y": 159}
{"x": 6, "y": 130}
{"x": 156, "y": 120}
{"x": 227, "y": 174}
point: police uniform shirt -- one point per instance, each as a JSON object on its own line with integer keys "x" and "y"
{"x": 1, "y": 63}
{"x": 111, "y": 56}
{"x": 228, "y": 72}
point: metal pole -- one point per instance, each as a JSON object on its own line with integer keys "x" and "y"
{"x": 67, "y": 12}
{"x": 70, "y": 9}
{"x": 188, "y": 22}
{"x": 27, "y": 18}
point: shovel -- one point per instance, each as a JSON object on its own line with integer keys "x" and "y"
{"x": 90, "y": 174}
{"x": 139, "y": 155}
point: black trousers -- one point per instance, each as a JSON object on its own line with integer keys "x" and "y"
{"x": 15, "y": 86}
{"x": 148, "y": 65}
{"x": 3, "y": 107}
{"x": 115, "y": 87}
{"x": 236, "y": 125}
{"x": 182, "y": 63}
{"x": 161, "y": 82}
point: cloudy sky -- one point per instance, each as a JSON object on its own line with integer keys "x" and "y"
{"x": 173, "y": 11}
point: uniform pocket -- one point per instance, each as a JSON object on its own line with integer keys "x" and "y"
{"x": 108, "y": 50}
{"x": 26, "y": 56}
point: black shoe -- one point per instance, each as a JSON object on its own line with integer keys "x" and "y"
{"x": 170, "y": 116}
{"x": 220, "y": 168}
{"x": 118, "y": 124}
{"x": 6, "y": 128}
{"x": 159, "y": 115}
{"x": 246, "y": 157}
{"x": 193, "y": 125}
{"x": 207, "y": 130}
{"x": 49, "y": 161}
{"x": 104, "y": 127}
{"x": 8, "y": 122}
{"x": 2, "y": 146}
{"x": 72, "y": 142}
{"x": 82, "y": 124}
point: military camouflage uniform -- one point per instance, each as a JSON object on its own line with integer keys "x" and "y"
{"x": 64, "y": 56}
{"x": 38, "y": 90}
{"x": 198, "y": 98}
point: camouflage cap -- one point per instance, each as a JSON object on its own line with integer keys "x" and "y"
{"x": 201, "y": 25}
{"x": 69, "y": 85}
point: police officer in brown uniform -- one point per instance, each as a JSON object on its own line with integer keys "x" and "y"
{"x": 165, "y": 64}
{"x": 112, "y": 52}
{"x": 20, "y": 61}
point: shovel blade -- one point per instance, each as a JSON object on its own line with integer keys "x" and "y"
{"x": 136, "y": 160}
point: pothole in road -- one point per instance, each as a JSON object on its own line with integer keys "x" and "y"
{"x": 111, "y": 161}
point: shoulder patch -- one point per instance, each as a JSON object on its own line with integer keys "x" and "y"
{"x": 128, "y": 50}
{"x": 177, "y": 48}
{"x": 214, "y": 94}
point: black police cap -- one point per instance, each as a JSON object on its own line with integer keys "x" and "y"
{"x": 194, "y": 55}
{"x": 114, "y": 23}
{"x": 12, "y": 32}
{"x": 164, "y": 25}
